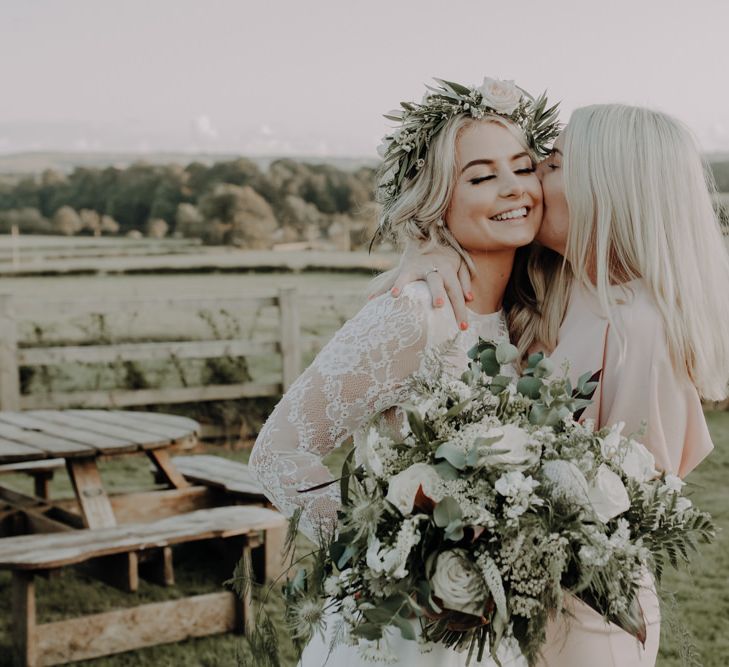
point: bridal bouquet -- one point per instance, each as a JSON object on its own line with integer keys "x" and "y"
{"x": 472, "y": 523}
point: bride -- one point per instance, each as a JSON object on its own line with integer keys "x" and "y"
{"x": 470, "y": 186}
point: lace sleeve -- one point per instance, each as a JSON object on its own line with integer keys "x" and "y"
{"x": 361, "y": 371}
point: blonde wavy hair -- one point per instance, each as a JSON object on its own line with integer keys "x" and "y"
{"x": 640, "y": 206}
{"x": 418, "y": 213}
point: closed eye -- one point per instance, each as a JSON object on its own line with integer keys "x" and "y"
{"x": 481, "y": 179}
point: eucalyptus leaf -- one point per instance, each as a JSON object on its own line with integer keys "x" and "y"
{"x": 446, "y": 470}
{"x": 452, "y": 454}
{"x": 405, "y": 627}
{"x": 369, "y": 631}
{"x": 529, "y": 386}
{"x": 506, "y": 353}
{"x": 454, "y": 531}
{"x": 489, "y": 363}
{"x": 534, "y": 359}
{"x": 446, "y": 512}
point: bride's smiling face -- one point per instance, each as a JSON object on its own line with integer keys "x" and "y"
{"x": 497, "y": 199}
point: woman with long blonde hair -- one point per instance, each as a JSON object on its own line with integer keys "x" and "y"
{"x": 629, "y": 276}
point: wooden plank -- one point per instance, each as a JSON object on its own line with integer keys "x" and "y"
{"x": 42, "y": 483}
{"x": 21, "y": 500}
{"x": 96, "y": 354}
{"x": 230, "y": 476}
{"x": 96, "y": 441}
{"x": 14, "y": 452}
{"x": 158, "y": 418}
{"x": 273, "y": 552}
{"x": 54, "y": 550}
{"x": 74, "y": 307}
{"x": 161, "y": 459}
{"x": 123, "y": 398}
{"x": 9, "y": 376}
{"x": 57, "y": 510}
{"x": 25, "y": 629}
{"x": 290, "y": 327}
{"x": 118, "y": 570}
{"x": 50, "y": 444}
{"x": 122, "y": 630}
{"x": 98, "y": 426}
{"x": 153, "y": 505}
{"x": 160, "y": 569}
{"x": 44, "y": 465}
{"x": 95, "y": 505}
{"x": 39, "y": 522}
{"x": 174, "y": 429}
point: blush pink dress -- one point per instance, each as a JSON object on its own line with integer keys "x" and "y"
{"x": 639, "y": 385}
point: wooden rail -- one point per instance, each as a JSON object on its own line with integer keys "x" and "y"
{"x": 288, "y": 342}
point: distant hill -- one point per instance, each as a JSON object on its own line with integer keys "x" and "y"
{"x": 36, "y": 162}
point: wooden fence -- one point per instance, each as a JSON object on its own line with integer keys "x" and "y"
{"x": 288, "y": 343}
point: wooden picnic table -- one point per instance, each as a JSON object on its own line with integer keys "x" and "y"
{"x": 83, "y": 437}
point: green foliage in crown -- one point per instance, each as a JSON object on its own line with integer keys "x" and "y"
{"x": 405, "y": 148}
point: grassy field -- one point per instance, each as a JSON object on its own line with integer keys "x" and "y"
{"x": 701, "y": 593}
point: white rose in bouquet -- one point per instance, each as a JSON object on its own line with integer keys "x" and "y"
{"x": 403, "y": 487}
{"x": 520, "y": 452}
{"x": 608, "y": 495}
{"x": 638, "y": 463}
{"x": 610, "y": 444}
{"x": 502, "y": 96}
{"x": 567, "y": 480}
{"x": 458, "y": 584}
{"x": 674, "y": 483}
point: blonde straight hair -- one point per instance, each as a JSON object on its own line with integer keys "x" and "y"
{"x": 640, "y": 205}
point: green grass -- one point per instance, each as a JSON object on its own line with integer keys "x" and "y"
{"x": 702, "y": 592}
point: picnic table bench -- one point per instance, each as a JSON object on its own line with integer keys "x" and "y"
{"x": 41, "y": 471}
{"x": 232, "y": 477}
{"x": 94, "y": 635}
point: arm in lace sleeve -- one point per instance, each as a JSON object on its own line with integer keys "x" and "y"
{"x": 361, "y": 371}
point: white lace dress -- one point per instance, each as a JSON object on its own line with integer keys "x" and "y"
{"x": 362, "y": 370}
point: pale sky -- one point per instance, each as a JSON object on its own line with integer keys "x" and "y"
{"x": 313, "y": 77}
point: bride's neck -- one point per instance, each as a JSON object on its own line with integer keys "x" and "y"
{"x": 489, "y": 281}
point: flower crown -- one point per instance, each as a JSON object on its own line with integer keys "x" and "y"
{"x": 404, "y": 149}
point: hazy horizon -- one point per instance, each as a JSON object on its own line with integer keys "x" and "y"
{"x": 314, "y": 79}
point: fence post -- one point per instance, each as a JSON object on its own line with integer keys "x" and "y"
{"x": 9, "y": 376}
{"x": 290, "y": 335}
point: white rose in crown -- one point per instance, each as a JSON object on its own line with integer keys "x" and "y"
{"x": 607, "y": 494}
{"x": 404, "y": 486}
{"x": 519, "y": 454}
{"x": 502, "y": 96}
{"x": 458, "y": 584}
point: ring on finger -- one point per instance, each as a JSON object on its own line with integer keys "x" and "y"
{"x": 432, "y": 270}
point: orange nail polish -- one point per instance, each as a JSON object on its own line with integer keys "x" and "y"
{"x": 439, "y": 302}
{"x": 463, "y": 325}
{"x": 469, "y": 296}
{"x": 394, "y": 291}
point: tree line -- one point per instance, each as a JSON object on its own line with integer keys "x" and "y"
{"x": 233, "y": 202}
